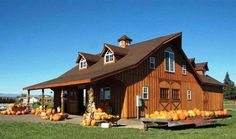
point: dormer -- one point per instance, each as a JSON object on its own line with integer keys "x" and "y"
{"x": 112, "y": 53}
{"x": 201, "y": 68}
{"x": 192, "y": 61}
{"x": 86, "y": 60}
{"x": 124, "y": 41}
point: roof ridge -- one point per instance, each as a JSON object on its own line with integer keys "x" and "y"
{"x": 174, "y": 34}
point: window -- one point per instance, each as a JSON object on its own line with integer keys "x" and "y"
{"x": 145, "y": 92}
{"x": 164, "y": 93}
{"x": 105, "y": 93}
{"x": 109, "y": 57}
{"x": 189, "y": 95}
{"x": 175, "y": 94}
{"x": 184, "y": 70}
{"x": 152, "y": 62}
{"x": 169, "y": 60}
{"x": 82, "y": 63}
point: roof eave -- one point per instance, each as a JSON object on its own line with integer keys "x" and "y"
{"x": 46, "y": 86}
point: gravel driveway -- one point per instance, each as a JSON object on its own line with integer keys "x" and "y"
{"x": 73, "y": 119}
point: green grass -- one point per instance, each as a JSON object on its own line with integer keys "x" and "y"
{"x": 230, "y": 104}
{"x": 225, "y": 129}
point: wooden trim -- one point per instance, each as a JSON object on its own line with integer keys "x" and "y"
{"x": 58, "y": 84}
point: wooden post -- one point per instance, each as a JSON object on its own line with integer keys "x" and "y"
{"x": 43, "y": 100}
{"x": 62, "y": 101}
{"x": 28, "y": 101}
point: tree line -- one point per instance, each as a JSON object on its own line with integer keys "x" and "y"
{"x": 229, "y": 88}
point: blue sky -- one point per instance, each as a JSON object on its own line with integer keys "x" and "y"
{"x": 40, "y": 39}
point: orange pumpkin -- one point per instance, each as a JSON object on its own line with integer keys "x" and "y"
{"x": 88, "y": 122}
{"x": 97, "y": 117}
{"x": 181, "y": 116}
{"x": 207, "y": 114}
{"x": 33, "y": 111}
{"x": 202, "y": 113}
{"x": 186, "y": 114}
{"x": 225, "y": 112}
{"x": 198, "y": 112}
{"x": 175, "y": 117}
{"x": 49, "y": 111}
{"x": 4, "y": 112}
{"x": 53, "y": 111}
{"x": 99, "y": 110}
{"x": 93, "y": 123}
{"x": 56, "y": 117}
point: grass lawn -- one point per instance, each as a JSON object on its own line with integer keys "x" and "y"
{"x": 224, "y": 129}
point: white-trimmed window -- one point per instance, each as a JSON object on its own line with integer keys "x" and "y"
{"x": 184, "y": 70}
{"x": 152, "y": 62}
{"x": 145, "y": 93}
{"x": 169, "y": 60}
{"x": 82, "y": 63}
{"x": 109, "y": 57}
{"x": 189, "y": 95}
{"x": 105, "y": 93}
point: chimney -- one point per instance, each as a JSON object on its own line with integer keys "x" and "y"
{"x": 124, "y": 41}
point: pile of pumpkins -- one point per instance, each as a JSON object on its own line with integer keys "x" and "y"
{"x": 176, "y": 115}
{"x": 15, "y": 109}
{"x": 91, "y": 119}
{"x": 49, "y": 114}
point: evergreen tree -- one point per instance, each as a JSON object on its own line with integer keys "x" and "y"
{"x": 229, "y": 88}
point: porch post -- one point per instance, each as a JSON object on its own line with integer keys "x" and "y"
{"x": 91, "y": 105}
{"x": 62, "y": 101}
{"x": 28, "y": 101}
{"x": 43, "y": 100}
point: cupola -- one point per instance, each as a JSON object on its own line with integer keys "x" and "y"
{"x": 124, "y": 41}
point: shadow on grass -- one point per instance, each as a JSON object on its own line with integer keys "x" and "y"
{"x": 176, "y": 128}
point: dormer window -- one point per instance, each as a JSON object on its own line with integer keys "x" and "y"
{"x": 109, "y": 57}
{"x": 82, "y": 63}
{"x": 169, "y": 60}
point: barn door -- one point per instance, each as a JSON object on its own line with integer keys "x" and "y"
{"x": 169, "y": 96}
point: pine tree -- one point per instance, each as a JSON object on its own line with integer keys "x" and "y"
{"x": 229, "y": 88}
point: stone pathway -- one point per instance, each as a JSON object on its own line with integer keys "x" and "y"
{"x": 73, "y": 119}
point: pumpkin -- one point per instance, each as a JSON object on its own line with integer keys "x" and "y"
{"x": 49, "y": 111}
{"x": 225, "y": 112}
{"x": 56, "y": 117}
{"x": 175, "y": 117}
{"x": 147, "y": 116}
{"x": 33, "y": 111}
{"x": 97, "y": 117}
{"x": 84, "y": 116}
{"x": 185, "y": 113}
{"x": 181, "y": 116}
{"x": 22, "y": 112}
{"x": 88, "y": 122}
{"x": 207, "y": 114}
{"x": 99, "y": 110}
{"x": 4, "y": 112}
{"x": 83, "y": 123}
{"x": 53, "y": 111}
{"x": 93, "y": 123}
{"x": 198, "y": 112}
{"x": 13, "y": 113}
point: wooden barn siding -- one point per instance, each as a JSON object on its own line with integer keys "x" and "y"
{"x": 141, "y": 76}
{"x": 215, "y": 101}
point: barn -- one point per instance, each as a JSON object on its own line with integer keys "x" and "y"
{"x": 158, "y": 70}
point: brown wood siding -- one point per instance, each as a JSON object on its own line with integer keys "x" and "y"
{"x": 141, "y": 76}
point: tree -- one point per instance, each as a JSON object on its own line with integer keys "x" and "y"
{"x": 229, "y": 88}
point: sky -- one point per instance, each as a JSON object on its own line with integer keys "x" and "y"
{"x": 40, "y": 39}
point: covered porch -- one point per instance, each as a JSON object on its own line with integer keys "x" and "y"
{"x": 73, "y": 98}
